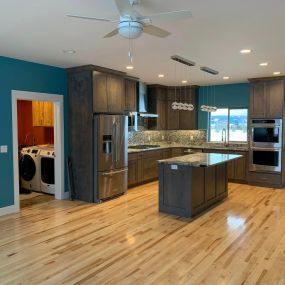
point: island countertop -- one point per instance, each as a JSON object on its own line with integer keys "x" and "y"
{"x": 200, "y": 159}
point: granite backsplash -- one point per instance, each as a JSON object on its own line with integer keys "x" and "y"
{"x": 194, "y": 137}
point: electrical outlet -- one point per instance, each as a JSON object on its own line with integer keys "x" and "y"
{"x": 149, "y": 138}
{"x": 3, "y": 148}
{"x": 162, "y": 137}
{"x": 191, "y": 138}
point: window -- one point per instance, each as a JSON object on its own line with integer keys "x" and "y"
{"x": 234, "y": 121}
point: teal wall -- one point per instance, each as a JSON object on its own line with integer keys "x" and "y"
{"x": 226, "y": 96}
{"x": 26, "y": 76}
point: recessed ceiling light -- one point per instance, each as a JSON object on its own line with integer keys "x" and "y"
{"x": 129, "y": 67}
{"x": 245, "y": 51}
{"x": 226, "y": 77}
{"x": 184, "y": 81}
{"x": 263, "y": 64}
{"x": 69, "y": 51}
{"x": 160, "y": 75}
{"x": 276, "y": 73}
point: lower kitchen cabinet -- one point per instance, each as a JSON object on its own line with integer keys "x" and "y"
{"x": 133, "y": 169}
{"x": 143, "y": 166}
{"x": 237, "y": 169}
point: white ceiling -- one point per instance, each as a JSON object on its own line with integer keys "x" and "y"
{"x": 38, "y": 31}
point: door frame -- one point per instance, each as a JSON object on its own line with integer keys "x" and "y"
{"x": 60, "y": 194}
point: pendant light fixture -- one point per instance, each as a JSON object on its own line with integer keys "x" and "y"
{"x": 182, "y": 106}
{"x": 209, "y": 89}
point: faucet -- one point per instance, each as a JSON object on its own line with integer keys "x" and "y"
{"x": 224, "y": 131}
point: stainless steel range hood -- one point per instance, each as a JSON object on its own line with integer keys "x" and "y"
{"x": 142, "y": 102}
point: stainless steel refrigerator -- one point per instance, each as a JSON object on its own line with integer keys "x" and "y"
{"x": 111, "y": 156}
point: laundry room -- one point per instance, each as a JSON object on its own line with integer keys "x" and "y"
{"x": 36, "y": 151}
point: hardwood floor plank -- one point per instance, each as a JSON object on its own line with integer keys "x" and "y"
{"x": 127, "y": 241}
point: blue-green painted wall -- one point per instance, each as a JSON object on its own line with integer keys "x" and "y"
{"x": 26, "y": 76}
{"x": 226, "y": 96}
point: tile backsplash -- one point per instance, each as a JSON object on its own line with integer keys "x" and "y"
{"x": 195, "y": 137}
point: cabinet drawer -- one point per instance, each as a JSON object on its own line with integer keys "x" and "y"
{"x": 132, "y": 156}
{"x": 155, "y": 154}
{"x": 267, "y": 178}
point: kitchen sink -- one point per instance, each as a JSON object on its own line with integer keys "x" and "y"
{"x": 144, "y": 146}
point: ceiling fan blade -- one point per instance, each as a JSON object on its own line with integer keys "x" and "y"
{"x": 169, "y": 16}
{"x": 93, "y": 18}
{"x": 156, "y": 31}
{"x": 111, "y": 34}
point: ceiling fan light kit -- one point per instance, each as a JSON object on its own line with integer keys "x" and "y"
{"x": 130, "y": 29}
{"x": 132, "y": 24}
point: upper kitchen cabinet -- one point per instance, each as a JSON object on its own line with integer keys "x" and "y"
{"x": 131, "y": 95}
{"x": 43, "y": 115}
{"x": 181, "y": 119}
{"x": 172, "y": 115}
{"x": 108, "y": 93}
{"x": 157, "y": 105}
{"x": 267, "y": 98}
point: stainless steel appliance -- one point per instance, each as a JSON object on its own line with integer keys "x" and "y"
{"x": 265, "y": 145}
{"x": 266, "y": 133}
{"x": 111, "y": 156}
{"x": 137, "y": 119}
{"x": 265, "y": 159}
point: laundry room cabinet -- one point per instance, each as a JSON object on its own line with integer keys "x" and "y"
{"x": 43, "y": 114}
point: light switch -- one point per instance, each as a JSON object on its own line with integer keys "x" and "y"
{"x": 3, "y": 148}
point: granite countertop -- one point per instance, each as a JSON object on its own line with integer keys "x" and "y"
{"x": 200, "y": 159}
{"x": 162, "y": 145}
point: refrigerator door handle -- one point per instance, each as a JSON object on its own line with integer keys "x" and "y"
{"x": 116, "y": 156}
{"x": 114, "y": 172}
{"x": 114, "y": 142}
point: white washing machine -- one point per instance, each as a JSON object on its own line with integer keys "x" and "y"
{"x": 47, "y": 169}
{"x": 30, "y": 169}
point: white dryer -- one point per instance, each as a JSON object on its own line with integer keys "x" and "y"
{"x": 30, "y": 169}
{"x": 47, "y": 169}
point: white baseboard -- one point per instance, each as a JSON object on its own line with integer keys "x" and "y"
{"x": 66, "y": 196}
{"x": 8, "y": 210}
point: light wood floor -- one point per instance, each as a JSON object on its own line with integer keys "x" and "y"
{"x": 126, "y": 241}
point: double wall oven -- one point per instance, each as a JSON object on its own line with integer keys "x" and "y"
{"x": 265, "y": 145}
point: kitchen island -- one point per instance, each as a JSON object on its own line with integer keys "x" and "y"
{"x": 192, "y": 183}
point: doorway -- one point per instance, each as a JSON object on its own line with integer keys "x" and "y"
{"x": 58, "y": 142}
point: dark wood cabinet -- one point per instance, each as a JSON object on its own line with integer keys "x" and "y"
{"x": 100, "y": 101}
{"x": 143, "y": 166}
{"x": 274, "y": 98}
{"x": 157, "y": 105}
{"x": 237, "y": 169}
{"x": 90, "y": 89}
{"x": 196, "y": 188}
{"x": 160, "y": 99}
{"x": 267, "y": 99}
{"x": 108, "y": 93}
{"x": 150, "y": 165}
{"x": 177, "y": 152}
{"x": 221, "y": 180}
{"x": 116, "y": 94}
{"x": 180, "y": 119}
{"x": 132, "y": 169}
{"x": 130, "y": 95}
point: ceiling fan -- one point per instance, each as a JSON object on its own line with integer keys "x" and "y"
{"x": 132, "y": 24}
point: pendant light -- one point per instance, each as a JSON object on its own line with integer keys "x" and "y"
{"x": 209, "y": 89}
